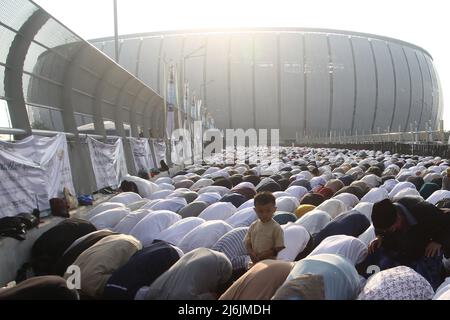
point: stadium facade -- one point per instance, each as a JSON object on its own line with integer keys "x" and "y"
{"x": 307, "y": 82}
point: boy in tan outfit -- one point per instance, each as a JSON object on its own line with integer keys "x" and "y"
{"x": 265, "y": 237}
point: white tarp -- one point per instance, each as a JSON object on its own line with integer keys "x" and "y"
{"x": 142, "y": 156}
{"x": 33, "y": 169}
{"x": 159, "y": 148}
{"x": 108, "y": 162}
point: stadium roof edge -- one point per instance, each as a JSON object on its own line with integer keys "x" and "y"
{"x": 261, "y": 29}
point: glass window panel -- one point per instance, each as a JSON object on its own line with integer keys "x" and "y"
{"x": 15, "y": 13}
{"x": 34, "y": 59}
{"x": 5, "y": 121}
{"x": 2, "y": 77}
{"x": 6, "y": 38}
{"x": 42, "y": 118}
{"x": 53, "y": 35}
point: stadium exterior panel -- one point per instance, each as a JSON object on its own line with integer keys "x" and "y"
{"x": 307, "y": 82}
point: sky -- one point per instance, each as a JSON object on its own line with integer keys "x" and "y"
{"x": 423, "y": 23}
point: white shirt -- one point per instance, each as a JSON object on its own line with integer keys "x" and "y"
{"x": 130, "y": 220}
{"x": 103, "y": 207}
{"x": 179, "y": 229}
{"x": 375, "y": 195}
{"x": 333, "y": 207}
{"x": 349, "y": 247}
{"x": 109, "y": 219}
{"x": 242, "y": 218}
{"x": 314, "y": 221}
{"x": 218, "y": 211}
{"x": 149, "y": 227}
{"x": 438, "y": 195}
{"x": 287, "y": 204}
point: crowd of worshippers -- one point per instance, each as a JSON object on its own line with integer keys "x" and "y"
{"x": 310, "y": 224}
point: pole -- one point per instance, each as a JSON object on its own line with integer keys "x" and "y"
{"x": 116, "y": 33}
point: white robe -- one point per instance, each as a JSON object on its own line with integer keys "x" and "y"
{"x": 296, "y": 238}
{"x": 178, "y": 230}
{"x": 314, "y": 221}
{"x": 333, "y": 207}
{"x": 218, "y": 211}
{"x": 242, "y": 218}
{"x": 287, "y": 204}
{"x": 149, "y": 227}
{"x": 375, "y": 195}
{"x": 130, "y": 220}
{"x": 102, "y": 207}
{"x": 126, "y": 198}
{"x": 109, "y": 219}
{"x": 172, "y": 204}
{"x": 399, "y": 187}
{"x": 438, "y": 195}
{"x": 365, "y": 208}
{"x": 204, "y": 235}
{"x": 209, "y": 197}
{"x": 350, "y": 200}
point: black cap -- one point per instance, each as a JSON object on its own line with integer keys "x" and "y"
{"x": 384, "y": 214}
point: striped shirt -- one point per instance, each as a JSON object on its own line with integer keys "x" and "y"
{"x": 232, "y": 245}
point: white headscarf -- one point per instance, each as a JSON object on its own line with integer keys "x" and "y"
{"x": 149, "y": 227}
{"x": 314, "y": 221}
{"x": 218, "y": 211}
{"x": 333, "y": 207}
{"x": 204, "y": 235}
{"x": 399, "y": 283}
{"x": 179, "y": 229}
{"x": 349, "y": 247}
{"x": 375, "y": 195}
{"x": 296, "y": 238}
